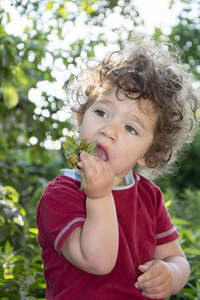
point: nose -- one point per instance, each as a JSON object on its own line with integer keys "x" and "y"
{"x": 110, "y": 131}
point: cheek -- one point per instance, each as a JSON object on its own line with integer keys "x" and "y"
{"x": 126, "y": 156}
{"x": 86, "y": 131}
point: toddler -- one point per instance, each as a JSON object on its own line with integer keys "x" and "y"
{"x": 114, "y": 240}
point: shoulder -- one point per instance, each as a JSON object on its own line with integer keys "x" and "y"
{"x": 61, "y": 187}
{"x": 69, "y": 179}
{"x": 145, "y": 184}
{"x": 148, "y": 191}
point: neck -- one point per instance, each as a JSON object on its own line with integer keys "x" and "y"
{"x": 119, "y": 182}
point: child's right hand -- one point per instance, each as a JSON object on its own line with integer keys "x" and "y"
{"x": 99, "y": 176}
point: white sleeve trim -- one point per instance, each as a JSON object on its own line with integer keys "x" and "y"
{"x": 166, "y": 233}
{"x": 65, "y": 229}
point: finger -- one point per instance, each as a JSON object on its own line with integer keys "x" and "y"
{"x": 91, "y": 167}
{"x": 79, "y": 165}
{"x": 148, "y": 271}
{"x": 92, "y": 163}
{"x": 159, "y": 292}
{"x": 143, "y": 268}
{"x": 156, "y": 288}
{"x": 153, "y": 289}
{"x": 154, "y": 296}
{"x": 149, "y": 279}
{"x": 152, "y": 282}
{"x": 153, "y": 268}
{"x": 86, "y": 162}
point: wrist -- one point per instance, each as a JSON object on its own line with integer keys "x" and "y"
{"x": 100, "y": 198}
{"x": 99, "y": 208}
{"x": 171, "y": 268}
{"x": 96, "y": 195}
{"x": 180, "y": 270}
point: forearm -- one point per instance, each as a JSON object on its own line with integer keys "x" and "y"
{"x": 94, "y": 247}
{"x": 99, "y": 235}
{"x": 181, "y": 271}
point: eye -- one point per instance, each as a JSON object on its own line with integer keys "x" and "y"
{"x": 101, "y": 113}
{"x": 130, "y": 129}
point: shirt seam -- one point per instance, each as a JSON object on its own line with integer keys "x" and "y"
{"x": 65, "y": 229}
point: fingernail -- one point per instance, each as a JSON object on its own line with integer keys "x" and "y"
{"x": 79, "y": 165}
{"x": 83, "y": 154}
{"x": 137, "y": 285}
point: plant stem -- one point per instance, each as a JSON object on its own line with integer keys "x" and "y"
{"x": 82, "y": 183}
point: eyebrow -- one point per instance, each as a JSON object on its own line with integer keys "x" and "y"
{"x": 138, "y": 120}
{"x": 110, "y": 103}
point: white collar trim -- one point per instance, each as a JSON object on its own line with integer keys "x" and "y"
{"x": 129, "y": 179}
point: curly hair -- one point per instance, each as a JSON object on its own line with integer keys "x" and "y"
{"x": 146, "y": 70}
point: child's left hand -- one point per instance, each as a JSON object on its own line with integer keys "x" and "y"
{"x": 157, "y": 279}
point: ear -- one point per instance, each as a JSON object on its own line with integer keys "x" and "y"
{"x": 142, "y": 162}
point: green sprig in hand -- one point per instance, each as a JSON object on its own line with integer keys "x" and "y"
{"x": 73, "y": 148}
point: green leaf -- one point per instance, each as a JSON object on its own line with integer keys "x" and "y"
{"x": 25, "y": 29}
{"x": 78, "y": 143}
{"x": 84, "y": 145}
{"x": 18, "y": 220}
{"x": 69, "y": 154}
{"x": 192, "y": 251}
{"x": 9, "y": 193}
{"x": 87, "y": 6}
{"x": 10, "y": 94}
{"x": 70, "y": 142}
{"x": 62, "y": 11}
{"x": 4, "y": 231}
{"x": 167, "y": 203}
{"x": 8, "y": 248}
{"x": 76, "y": 161}
{"x": 33, "y": 230}
{"x": 50, "y": 5}
{"x": 19, "y": 75}
{"x": 17, "y": 258}
{"x": 8, "y": 16}
{"x": 178, "y": 221}
{"x": 91, "y": 147}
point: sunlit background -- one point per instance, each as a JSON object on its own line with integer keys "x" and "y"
{"x": 43, "y": 44}
{"x": 151, "y": 14}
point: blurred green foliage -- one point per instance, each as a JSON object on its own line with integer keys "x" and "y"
{"x": 184, "y": 209}
{"x": 30, "y": 129}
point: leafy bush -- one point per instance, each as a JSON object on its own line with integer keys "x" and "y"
{"x": 21, "y": 271}
{"x": 184, "y": 211}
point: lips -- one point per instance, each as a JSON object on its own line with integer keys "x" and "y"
{"x": 101, "y": 153}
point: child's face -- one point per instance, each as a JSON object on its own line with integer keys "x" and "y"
{"x": 123, "y": 131}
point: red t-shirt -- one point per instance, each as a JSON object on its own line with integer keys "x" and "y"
{"x": 143, "y": 221}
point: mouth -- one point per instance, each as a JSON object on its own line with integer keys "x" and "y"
{"x": 101, "y": 153}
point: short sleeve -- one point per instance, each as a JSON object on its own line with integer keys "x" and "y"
{"x": 165, "y": 230}
{"x": 60, "y": 211}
